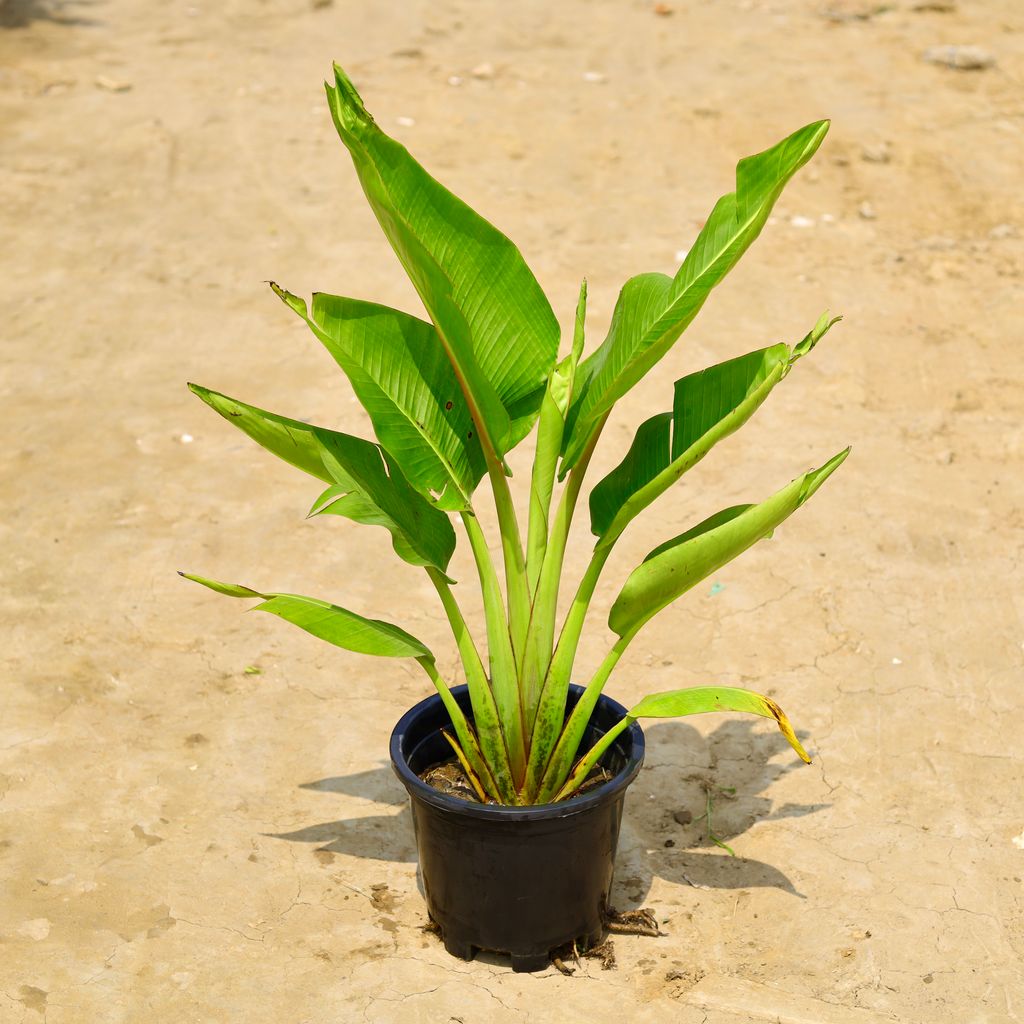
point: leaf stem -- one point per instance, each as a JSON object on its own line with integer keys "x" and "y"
{"x": 504, "y": 679}
{"x": 470, "y": 750}
{"x": 516, "y": 586}
{"x": 559, "y": 765}
{"x": 485, "y": 712}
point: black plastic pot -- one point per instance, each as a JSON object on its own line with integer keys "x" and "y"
{"x": 517, "y": 880}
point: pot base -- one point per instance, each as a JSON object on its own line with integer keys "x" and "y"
{"x": 522, "y": 963}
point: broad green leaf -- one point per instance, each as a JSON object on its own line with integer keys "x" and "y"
{"x": 709, "y": 405}
{"x": 327, "y": 621}
{"x": 288, "y": 439}
{"x": 370, "y": 488}
{"x": 401, "y": 374}
{"x": 694, "y": 700}
{"x": 367, "y": 485}
{"x": 493, "y": 319}
{"x": 679, "y": 564}
{"x": 653, "y": 310}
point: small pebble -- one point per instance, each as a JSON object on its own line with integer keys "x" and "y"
{"x": 664, "y": 10}
{"x": 405, "y": 122}
{"x": 876, "y": 154}
{"x": 866, "y": 211}
{"x": 852, "y": 10}
{"x": 186, "y": 439}
{"x": 485, "y": 70}
{"x": 801, "y": 222}
{"x": 112, "y": 84}
{"x": 454, "y": 80}
{"x": 828, "y": 218}
{"x": 897, "y": 661}
{"x": 594, "y": 76}
{"x": 960, "y": 58}
{"x": 681, "y": 255}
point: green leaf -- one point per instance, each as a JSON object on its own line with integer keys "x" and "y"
{"x": 329, "y": 622}
{"x": 708, "y": 406}
{"x": 401, "y": 374}
{"x": 366, "y": 484}
{"x": 653, "y": 310}
{"x": 699, "y": 700}
{"x": 674, "y": 567}
{"x": 288, "y": 439}
{"x": 493, "y": 319}
{"x": 370, "y": 488}
{"x": 694, "y": 700}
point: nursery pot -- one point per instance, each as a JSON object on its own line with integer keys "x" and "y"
{"x": 517, "y": 880}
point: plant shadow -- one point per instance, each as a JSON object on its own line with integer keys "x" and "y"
{"x": 694, "y": 790}
{"x": 665, "y": 830}
{"x": 22, "y": 13}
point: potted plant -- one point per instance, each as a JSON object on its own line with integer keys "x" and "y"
{"x": 517, "y": 854}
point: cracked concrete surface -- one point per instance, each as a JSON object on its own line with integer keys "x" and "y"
{"x": 197, "y": 821}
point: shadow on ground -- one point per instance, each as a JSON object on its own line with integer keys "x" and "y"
{"x": 21, "y": 13}
{"x": 667, "y": 829}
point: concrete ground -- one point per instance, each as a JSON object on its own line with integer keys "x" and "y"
{"x": 197, "y": 818}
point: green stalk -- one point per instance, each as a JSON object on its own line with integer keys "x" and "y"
{"x": 516, "y": 586}
{"x": 586, "y": 764}
{"x": 485, "y": 711}
{"x": 550, "y": 433}
{"x": 470, "y": 749}
{"x": 504, "y": 679}
{"x": 544, "y": 711}
{"x": 572, "y": 735}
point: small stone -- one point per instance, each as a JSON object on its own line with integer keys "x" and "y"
{"x": 37, "y": 929}
{"x": 802, "y": 222}
{"x": 484, "y": 70}
{"x": 594, "y": 76}
{"x": 866, "y": 211}
{"x": 681, "y": 255}
{"x": 454, "y": 80}
{"x": 405, "y": 122}
{"x": 852, "y": 10}
{"x": 682, "y": 817}
{"x": 960, "y": 58}
{"x": 186, "y": 439}
{"x": 112, "y": 84}
{"x": 664, "y": 10}
{"x": 877, "y": 153}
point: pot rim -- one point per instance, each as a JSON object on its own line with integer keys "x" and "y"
{"x": 502, "y": 812}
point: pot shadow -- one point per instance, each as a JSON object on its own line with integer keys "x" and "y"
{"x": 665, "y": 830}
{"x": 376, "y": 837}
